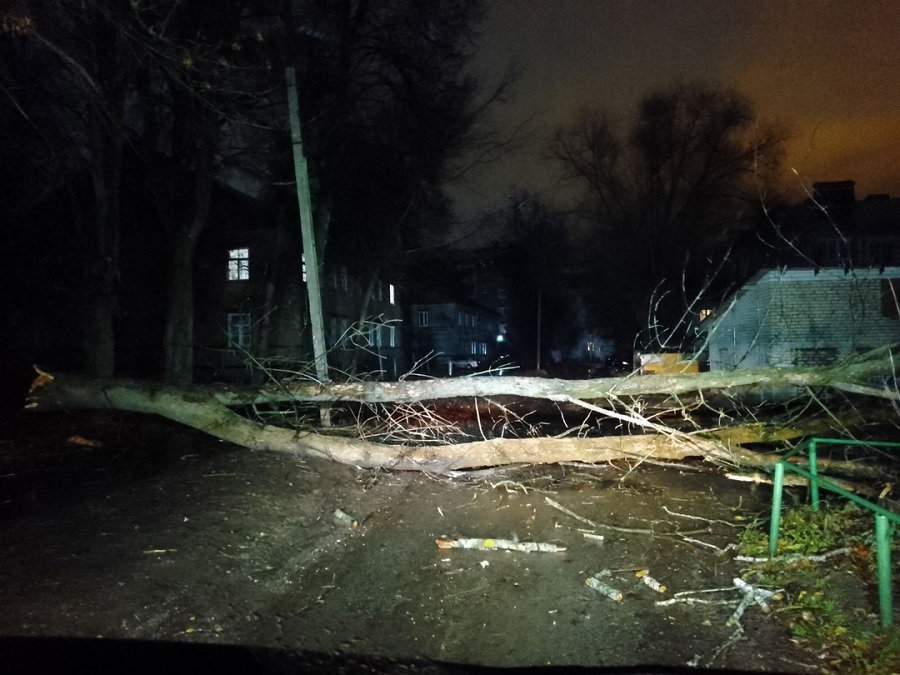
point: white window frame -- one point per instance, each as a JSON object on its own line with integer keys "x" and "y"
{"x": 423, "y": 318}
{"x": 386, "y": 336}
{"x": 238, "y": 264}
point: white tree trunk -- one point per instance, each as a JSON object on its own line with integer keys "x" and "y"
{"x": 208, "y": 409}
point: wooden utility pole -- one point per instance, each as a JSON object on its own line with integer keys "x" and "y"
{"x": 313, "y": 288}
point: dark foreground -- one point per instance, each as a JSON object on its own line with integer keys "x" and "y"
{"x": 168, "y": 536}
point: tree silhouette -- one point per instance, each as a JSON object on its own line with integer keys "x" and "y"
{"x": 667, "y": 200}
{"x": 156, "y": 101}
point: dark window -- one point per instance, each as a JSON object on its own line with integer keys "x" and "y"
{"x": 818, "y": 356}
{"x": 239, "y": 331}
{"x": 890, "y": 298}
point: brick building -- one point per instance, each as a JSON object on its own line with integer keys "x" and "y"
{"x": 805, "y": 317}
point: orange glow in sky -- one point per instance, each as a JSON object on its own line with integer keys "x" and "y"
{"x": 827, "y": 69}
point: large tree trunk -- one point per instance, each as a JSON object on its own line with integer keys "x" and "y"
{"x": 201, "y": 409}
{"x": 185, "y": 234}
{"x": 101, "y": 255}
{"x": 209, "y": 409}
{"x": 871, "y": 374}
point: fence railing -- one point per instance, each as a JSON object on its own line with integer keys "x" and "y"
{"x": 884, "y": 518}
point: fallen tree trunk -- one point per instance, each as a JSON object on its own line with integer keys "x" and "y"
{"x": 202, "y": 410}
{"x": 207, "y": 409}
{"x": 865, "y": 374}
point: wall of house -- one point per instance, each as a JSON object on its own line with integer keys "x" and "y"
{"x": 358, "y": 337}
{"x": 455, "y": 331}
{"x": 802, "y": 317}
{"x": 273, "y": 298}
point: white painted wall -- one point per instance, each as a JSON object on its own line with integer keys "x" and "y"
{"x": 829, "y": 313}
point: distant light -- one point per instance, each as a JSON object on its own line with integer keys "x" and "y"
{"x": 500, "y": 338}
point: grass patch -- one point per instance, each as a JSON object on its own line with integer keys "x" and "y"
{"x": 831, "y": 606}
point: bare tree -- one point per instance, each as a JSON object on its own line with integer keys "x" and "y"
{"x": 669, "y": 196}
{"x": 389, "y": 109}
{"x": 537, "y": 266}
{"x": 88, "y": 80}
{"x": 151, "y": 84}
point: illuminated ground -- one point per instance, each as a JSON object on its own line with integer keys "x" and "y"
{"x": 166, "y": 534}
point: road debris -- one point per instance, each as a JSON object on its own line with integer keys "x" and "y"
{"x": 83, "y": 442}
{"x": 500, "y": 545}
{"x": 644, "y": 576}
{"x": 604, "y": 589}
{"x": 753, "y": 595}
{"x": 345, "y": 519}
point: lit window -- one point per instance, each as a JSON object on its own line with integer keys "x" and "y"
{"x": 705, "y": 314}
{"x": 423, "y": 319}
{"x": 391, "y": 295}
{"x": 303, "y": 267}
{"x": 239, "y": 331}
{"x": 238, "y": 264}
{"x": 392, "y": 336}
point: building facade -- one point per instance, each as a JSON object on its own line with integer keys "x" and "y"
{"x": 825, "y": 285}
{"x": 453, "y": 337}
{"x": 805, "y": 317}
{"x": 251, "y": 306}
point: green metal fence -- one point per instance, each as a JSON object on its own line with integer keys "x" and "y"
{"x": 884, "y": 519}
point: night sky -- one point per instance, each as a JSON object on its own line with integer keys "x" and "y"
{"x": 827, "y": 69}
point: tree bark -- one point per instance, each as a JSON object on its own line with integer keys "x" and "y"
{"x": 185, "y": 233}
{"x": 101, "y": 255}
{"x": 200, "y": 409}
{"x": 209, "y": 410}
{"x": 871, "y": 374}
